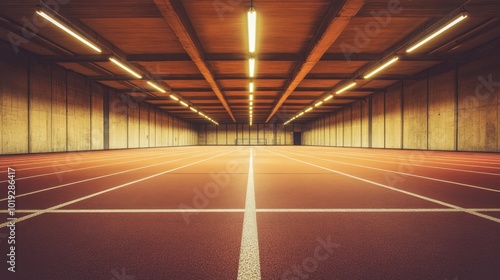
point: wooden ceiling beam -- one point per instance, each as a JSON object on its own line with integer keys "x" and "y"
{"x": 222, "y": 57}
{"x": 175, "y": 16}
{"x": 336, "y": 21}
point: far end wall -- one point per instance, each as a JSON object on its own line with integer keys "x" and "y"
{"x": 227, "y": 134}
{"x": 455, "y": 108}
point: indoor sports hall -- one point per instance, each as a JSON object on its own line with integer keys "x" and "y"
{"x": 249, "y": 139}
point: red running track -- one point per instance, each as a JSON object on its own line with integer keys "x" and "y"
{"x": 254, "y": 213}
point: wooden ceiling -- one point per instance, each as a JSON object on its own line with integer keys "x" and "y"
{"x": 305, "y": 49}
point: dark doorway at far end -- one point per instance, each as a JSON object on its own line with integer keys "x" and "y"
{"x": 297, "y": 138}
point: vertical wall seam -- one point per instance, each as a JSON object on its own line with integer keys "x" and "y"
{"x": 51, "y": 110}
{"x": 91, "y": 115}
{"x": 427, "y": 108}
{"x": 456, "y": 107}
{"x": 402, "y": 114}
{"x": 370, "y": 122}
{"x": 385, "y": 120}
{"x": 29, "y": 104}
{"x": 67, "y": 109}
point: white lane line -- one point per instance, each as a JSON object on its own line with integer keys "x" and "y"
{"x": 95, "y": 166}
{"x": 402, "y": 173}
{"x": 249, "y": 264}
{"x": 108, "y": 190}
{"x": 77, "y": 161}
{"x": 328, "y": 210}
{"x": 83, "y": 211}
{"x": 426, "y": 158}
{"x": 405, "y": 153}
{"x": 37, "y": 160}
{"x": 360, "y": 210}
{"x": 425, "y": 166}
{"x": 493, "y": 219}
{"x": 102, "y": 176}
{"x": 80, "y": 159}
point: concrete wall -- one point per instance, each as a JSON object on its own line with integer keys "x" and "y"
{"x": 453, "y": 107}
{"x": 46, "y": 108}
{"x": 394, "y": 117}
{"x": 14, "y": 96}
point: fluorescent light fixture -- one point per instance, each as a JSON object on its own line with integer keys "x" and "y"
{"x": 251, "y": 65}
{"x": 351, "y": 85}
{"x": 328, "y": 97}
{"x": 251, "y": 87}
{"x": 184, "y": 104}
{"x": 252, "y": 29}
{"x": 301, "y": 114}
{"x": 308, "y": 109}
{"x": 318, "y": 104}
{"x": 201, "y": 114}
{"x": 174, "y": 97}
{"x": 156, "y": 87}
{"x": 125, "y": 67}
{"x": 382, "y": 67}
{"x": 251, "y": 103}
{"x": 193, "y": 109}
{"x": 437, "y": 33}
{"x": 69, "y": 31}
{"x": 251, "y": 97}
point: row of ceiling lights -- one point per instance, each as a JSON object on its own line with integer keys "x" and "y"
{"x": 252, "y": 33}
{"x": 383, "y": 65}
{"x": 45, "y": 12}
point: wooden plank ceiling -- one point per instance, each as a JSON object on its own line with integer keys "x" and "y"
{"x": 198, "y": 49}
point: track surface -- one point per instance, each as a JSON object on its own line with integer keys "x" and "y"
{"x": 254, "y": 213}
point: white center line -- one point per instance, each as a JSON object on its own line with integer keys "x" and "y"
{"x": 249, "y": 265}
